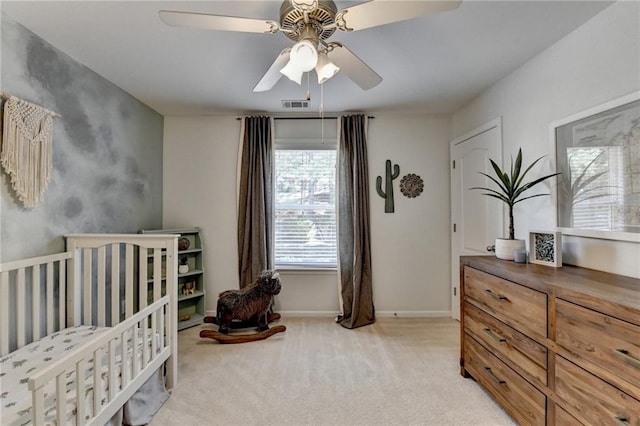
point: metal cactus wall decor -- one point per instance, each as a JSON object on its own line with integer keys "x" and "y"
{"x": 388, "y": 193}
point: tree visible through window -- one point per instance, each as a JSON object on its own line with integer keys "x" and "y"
{"x": 305, "y": 219}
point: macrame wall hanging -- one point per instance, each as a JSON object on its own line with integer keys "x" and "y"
{"x": 26, "y": 154}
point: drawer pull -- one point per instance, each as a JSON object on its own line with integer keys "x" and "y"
{"x": 624, "y": 354}
{"x": 494, "y": 295}
{"x": 621, "y": 420}
{"x": 493, "y": 335}
{"x": 498, "y": 381}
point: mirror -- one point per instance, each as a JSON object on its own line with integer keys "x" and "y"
{"x": 598, "y": 154}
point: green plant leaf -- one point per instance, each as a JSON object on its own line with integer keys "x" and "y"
{"x": 527, "y": 171}
{"x": 534, "y": 183}
{"x": 516, "y": 172}
{"x": 500, "y": 185}
{"x": 531, "y": 196}
{"x": 499, "y": 197}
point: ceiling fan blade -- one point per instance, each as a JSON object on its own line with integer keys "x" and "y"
{"x": 217, "y": 22}
{"x": 272, "y": 76}
{"x": 354, "y": 68}
{"x": 380, "y": 12}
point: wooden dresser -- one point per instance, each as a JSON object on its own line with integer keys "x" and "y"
{"x": 552, "y": 346}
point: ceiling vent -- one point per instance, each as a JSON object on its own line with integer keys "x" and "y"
{"x": 303, "y": 103}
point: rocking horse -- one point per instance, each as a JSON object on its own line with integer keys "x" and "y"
{"x": 247, "y": 307}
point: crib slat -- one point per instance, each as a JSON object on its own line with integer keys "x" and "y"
{"x": 35, "y": 303}
{"x": 154, "y": 330}
{"x": 20, "y": 305}
{"x": 129, "y": 281}
{"x": 143, "y": 286}
{"x": 102, "y": 302}
{"x": 123, "y": 356}
{"x": 112, "y": 370}
{"x": 4, "y": 313}
{"x": 62, "y": 285}
{"x": 86, "y": 283}
{"x": 115, "y": 284}
{"x": 161, "y": 319}
{"x": 145, "y": 343}
{"x": 50, "y": 298}
{"x": 134, "y": 351}
{"x": 157, "y": 274}
{"x": 61, "y": 389}
{"x": 80, "y": 395}
{"x": 97, "y": 372}
{"x": 37, "y": 400}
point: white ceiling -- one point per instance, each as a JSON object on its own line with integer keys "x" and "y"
{"x": 433, "y": 64}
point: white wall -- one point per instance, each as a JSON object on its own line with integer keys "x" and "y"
{"x": 410, "y": 248}
{"x": 199, "y": 184}
{"x": 598, "y": 62}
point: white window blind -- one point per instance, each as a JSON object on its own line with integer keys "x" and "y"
{"x": 305, "y": 216}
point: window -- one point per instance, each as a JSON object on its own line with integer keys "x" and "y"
{"x": 305, "y": 213}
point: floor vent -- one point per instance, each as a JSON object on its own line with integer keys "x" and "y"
{"x": 295, "y": 104}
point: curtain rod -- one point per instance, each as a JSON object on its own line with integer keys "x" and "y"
{"x": 6, "y": 96}
{"x": 370, "y": 117}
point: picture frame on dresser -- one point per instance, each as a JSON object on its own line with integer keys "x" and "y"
{"x": 597, "y": 194}
{"x": 545, "y": 248}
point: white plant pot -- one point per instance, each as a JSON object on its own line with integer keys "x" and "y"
{"x": 183, "y": 269}
{"x": 505, "y": 248}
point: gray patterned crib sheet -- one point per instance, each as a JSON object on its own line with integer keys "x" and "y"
{"x": 16, "y": 368}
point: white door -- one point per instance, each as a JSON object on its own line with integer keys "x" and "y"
{"x": 476, "y": 220}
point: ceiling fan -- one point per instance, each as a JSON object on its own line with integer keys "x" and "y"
{"x": 310, "y": 23}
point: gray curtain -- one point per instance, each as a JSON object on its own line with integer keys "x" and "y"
{"x": 354, "y": 240}
{"x": 255, "y": 199}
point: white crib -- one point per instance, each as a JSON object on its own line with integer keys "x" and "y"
{"x": 123, "y": 287}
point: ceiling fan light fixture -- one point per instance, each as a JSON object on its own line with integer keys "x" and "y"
{"x": 303, "y": 58}
{"x": 292, "y": 72}
{"x": 304, "y": 55}
{"x": 325, "y": 69}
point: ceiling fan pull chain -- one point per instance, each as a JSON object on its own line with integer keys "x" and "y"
{"x": 308, "y": 88}
{"x": 322, "y": 113}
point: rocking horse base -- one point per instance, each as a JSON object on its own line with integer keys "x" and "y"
{"x": 241, "y": 338}
{"x": 243, "y": 324}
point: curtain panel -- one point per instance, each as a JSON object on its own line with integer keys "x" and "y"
{"x": 354, "y": 229}
{"x": 255, "y": 198}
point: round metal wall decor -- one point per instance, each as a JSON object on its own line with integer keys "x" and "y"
{"x": 411, "y": 185}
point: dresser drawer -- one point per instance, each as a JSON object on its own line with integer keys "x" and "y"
{"x": 607, "y": 342}
{"x": 596, "y": 400}
{"x": 513, "y": 345}
{"x": 565, "y": 419}
{"x": 517, "y": 396}
{"x": 520, "y": 307}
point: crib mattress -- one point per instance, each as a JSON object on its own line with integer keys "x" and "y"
{"x": 16, "y": 367}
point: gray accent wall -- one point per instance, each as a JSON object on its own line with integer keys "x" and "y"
{"x": 107, "y": 151}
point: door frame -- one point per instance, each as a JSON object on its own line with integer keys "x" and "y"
{"x": 495, "y": 123}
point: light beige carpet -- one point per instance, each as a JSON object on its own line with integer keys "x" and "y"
{"x": 394, "y": 372}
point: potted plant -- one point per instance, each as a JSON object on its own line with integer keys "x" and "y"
{"x": 183, "y": 266}
{"x": 511, "y": 190}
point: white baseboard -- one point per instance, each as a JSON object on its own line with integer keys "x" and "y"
{"x": 380, "y": 314}
{"x": 319, "y": 314}
{"x": 413, "y": 314}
